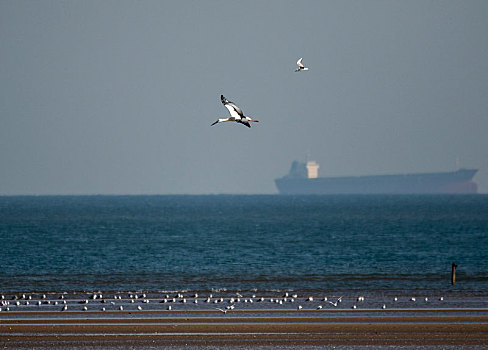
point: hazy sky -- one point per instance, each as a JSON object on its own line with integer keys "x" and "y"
{"x": 117, "y": 97}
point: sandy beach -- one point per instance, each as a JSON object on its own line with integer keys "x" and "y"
{"x": 259, "y": 329}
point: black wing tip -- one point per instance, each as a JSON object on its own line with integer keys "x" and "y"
{"x": 245, "y": 122}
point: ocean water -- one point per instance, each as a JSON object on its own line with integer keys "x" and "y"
{"x": 381, "y": 244}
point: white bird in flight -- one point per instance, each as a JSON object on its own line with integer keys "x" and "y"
{"x": 301, "y": 67}
{"x": 236, "y": 114}
{"x": 337, "y": 301}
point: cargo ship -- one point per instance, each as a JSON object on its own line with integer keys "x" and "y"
{"x": 303, "y": 179}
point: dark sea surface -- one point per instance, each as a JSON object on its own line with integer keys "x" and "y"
{"x": 380, "y": 244}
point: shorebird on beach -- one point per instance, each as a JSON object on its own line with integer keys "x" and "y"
{"x": 236, "y": 114}
{"x": 336, "y": 302}
{"x": 222, "y": 310}
{"x": 301, "y": 67}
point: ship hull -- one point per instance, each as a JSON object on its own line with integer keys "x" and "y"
{"x": 456, "y": 182}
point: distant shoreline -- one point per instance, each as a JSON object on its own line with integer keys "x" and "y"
{"x": 240, "y": 194}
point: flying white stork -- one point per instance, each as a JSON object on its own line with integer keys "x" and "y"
{"x": 236, "y": 114}
{"x": 301, "y": 67}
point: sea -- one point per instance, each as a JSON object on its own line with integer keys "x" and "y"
{"x": 376, "y": 244}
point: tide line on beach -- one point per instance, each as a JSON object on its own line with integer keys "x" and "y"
{"x": 383, "y": 328}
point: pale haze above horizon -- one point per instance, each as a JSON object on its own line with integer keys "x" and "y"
{"x": 117, "y": 97}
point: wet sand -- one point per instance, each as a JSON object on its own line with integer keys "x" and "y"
{"x": 466, "y": 328}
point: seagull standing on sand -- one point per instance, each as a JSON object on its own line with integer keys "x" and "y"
{"x": 301, "y": 67}
{"x": 236, "y": 114}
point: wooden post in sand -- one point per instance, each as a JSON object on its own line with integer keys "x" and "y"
{"x": 453, "y": 274}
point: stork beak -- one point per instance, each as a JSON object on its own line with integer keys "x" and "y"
{"x": 214, "y": 123}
